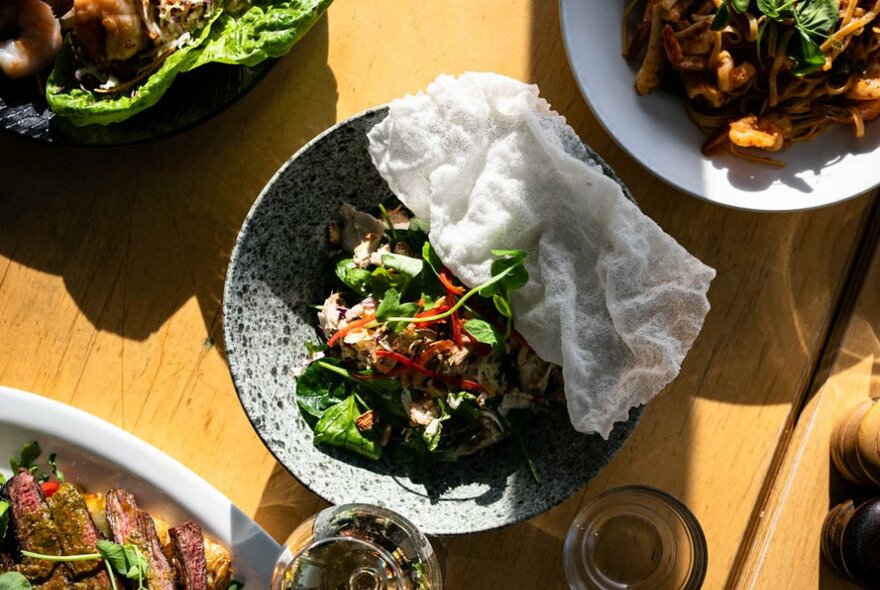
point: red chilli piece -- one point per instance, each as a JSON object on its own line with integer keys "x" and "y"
{"x": 447, "y": 283}
{"x": 411, "y": 364}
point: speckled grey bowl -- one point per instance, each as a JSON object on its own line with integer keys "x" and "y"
{"x": 278, "y": 268}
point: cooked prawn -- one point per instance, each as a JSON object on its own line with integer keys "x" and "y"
{"x": 767, "y": 133}
{"x": 38, "y": 42}
{"x": 866, "y": 86}
{"x": 109, "y": 30}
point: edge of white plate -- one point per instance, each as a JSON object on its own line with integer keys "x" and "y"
{"x": 732, "y": 196}
{"x": 254, "y": 550}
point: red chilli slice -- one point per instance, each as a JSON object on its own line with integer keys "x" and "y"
{"x": 411, "y": 364}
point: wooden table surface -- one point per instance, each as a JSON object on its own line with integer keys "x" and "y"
{"x": 112, "y": 266}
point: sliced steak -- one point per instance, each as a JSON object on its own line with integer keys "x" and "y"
{"x": 37, "y": 532}
{"x": 132, "y": 525}
{"x": 79, "y": 535}
{"x": 188, "y": 545}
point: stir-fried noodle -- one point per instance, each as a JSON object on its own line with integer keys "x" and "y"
{"x": 759, "y": 80}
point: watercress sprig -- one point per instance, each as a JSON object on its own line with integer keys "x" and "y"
{"x": 126, "y": 560}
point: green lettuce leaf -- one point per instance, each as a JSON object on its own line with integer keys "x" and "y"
{"x": 267, "y": 28}
{"x": 263, "y": 29}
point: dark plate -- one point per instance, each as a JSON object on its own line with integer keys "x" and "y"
{"x": 279, "y": 268}
{"x": 193, "y": 98}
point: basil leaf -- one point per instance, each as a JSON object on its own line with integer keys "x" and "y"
{"x": 484, "y": 332}
{"x": 356, "y": 279}
{"x": 4, "y": 519}
{"x": 722, "y": 18}
{"x": 319, "y": 388}
{"x": 773, "y": 8}
{"x": 816, "y": 18}
{"x": 338, "y": 428}
{"x": 14, "y": 581}
{"x": 405, "y": 265}
{"x": 808, "y": 56}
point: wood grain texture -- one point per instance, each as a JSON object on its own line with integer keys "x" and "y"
{"x": 787, "y": 544}
{"x": 112, "y": 267}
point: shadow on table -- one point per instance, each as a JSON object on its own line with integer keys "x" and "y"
{"x": 160, "y": 228}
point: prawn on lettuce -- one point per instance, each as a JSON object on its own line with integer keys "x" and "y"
{"x": 413, "y": 366}
{"x": 122, "y": 55}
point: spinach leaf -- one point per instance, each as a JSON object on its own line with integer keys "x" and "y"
{"x": 338, "y": 428}
{"x": 14, "y": 581}
{"x": 412, "y": 450}
{"x": 4, "y": 519}
{"x": 382, "y": 279}
{"x": 383, "y": 396}
{"x": 318, "y": 388}
{"x": 356, "y": 279}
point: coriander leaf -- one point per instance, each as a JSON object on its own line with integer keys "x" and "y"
{"x": 722, "y": 18}
{"x": 405, "y": 265}
{"x": 319, "y": 388}
{"x": 14, "y": 581}
{"x": 338, "y": 428}
{"x": 4, "y": 519}
{"x": 356, "y": 279}
{"x": 484, "y": 332}
{"x": 54, "y": 465}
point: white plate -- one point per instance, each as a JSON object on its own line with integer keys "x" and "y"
{"x": 101, "y": 456}
{"x": 657, "y": 132}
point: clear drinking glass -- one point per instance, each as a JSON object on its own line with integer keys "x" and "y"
{"x": 357, "y": 547}
{"x": 635, "y": 538}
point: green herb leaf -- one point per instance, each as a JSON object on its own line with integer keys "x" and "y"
{"x": 808, "y": 56}
{"x": 4, "y": 519}
{"x": 405, "y": 265}
{"x": 722, "y": 17}
{"x": 235, "y": 585}
{"x": 740, "y": 5}
{"x": 463, "y": 408}
{"x": 338, "y": 428}
{"x": 14, "y": 581}
{"x": 319, "y": 388}
{"x": 484, "y": 332}
{"x": 816, "y": 18}
{"x": 411, "y": 450}
{"x": 774, "y": 8}
{"x": 126, "y": 560}
{"x": 54, "y": 465}
{"x": 432, "y": 432}
{"x": 391, "y": 307}
{"x": 381, "y": 280}
{"x": 356, "y": 279}
{"x": 26, "y": 459}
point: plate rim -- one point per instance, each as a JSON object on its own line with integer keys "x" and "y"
{"x": 566, "y": 26}
{"x": 90, "y": 435}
